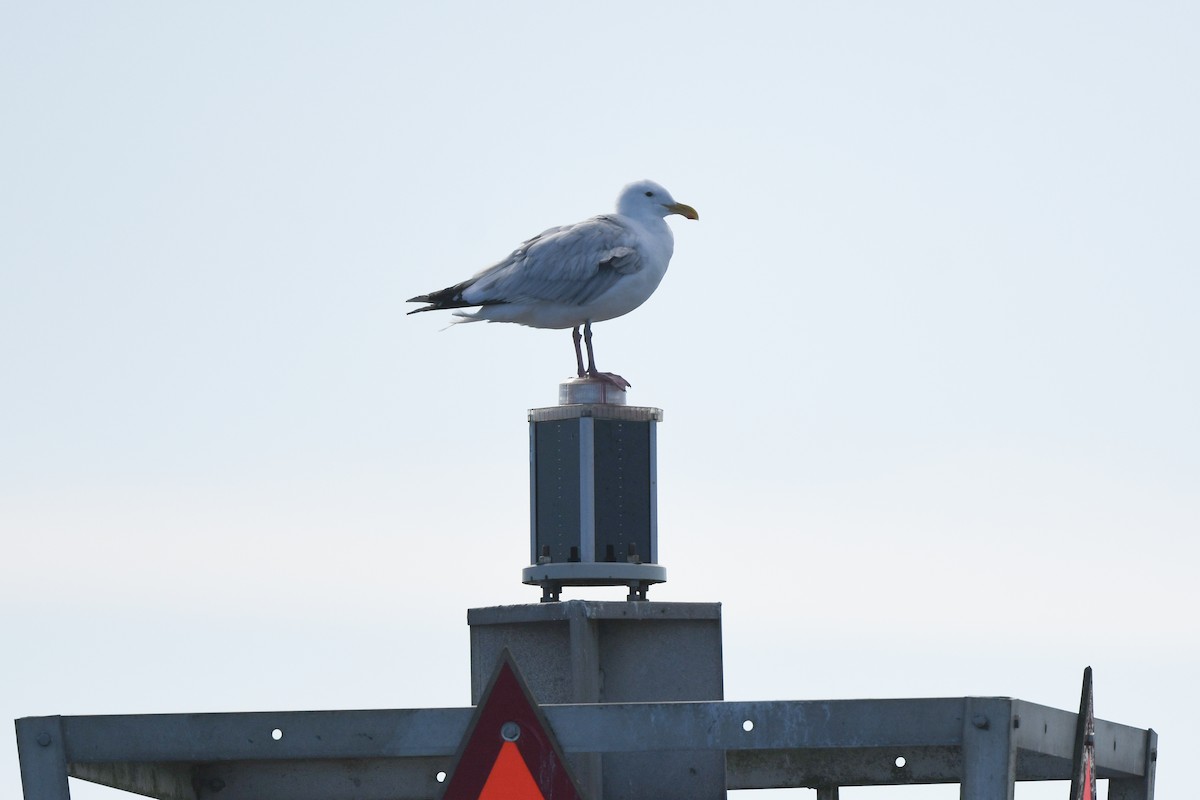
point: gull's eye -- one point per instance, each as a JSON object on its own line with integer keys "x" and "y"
{"x": 649, "y": 194}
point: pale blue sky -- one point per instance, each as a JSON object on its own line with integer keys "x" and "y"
{"x": 928, "y": 359}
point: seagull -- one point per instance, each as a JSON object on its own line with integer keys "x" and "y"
{"x": 574, "y": 275}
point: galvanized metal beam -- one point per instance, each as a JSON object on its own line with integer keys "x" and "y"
{"x": 166, "y": 781}
{"x": 753, "y": 725}
{"x": 826, "y": 768}
{"x": 338, "y": 779}
{"x": 985, "y": 744}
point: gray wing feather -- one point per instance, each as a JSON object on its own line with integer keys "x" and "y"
{"x": 571, "y": 264}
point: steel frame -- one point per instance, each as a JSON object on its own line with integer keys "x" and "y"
{"x": 983, "y": 743}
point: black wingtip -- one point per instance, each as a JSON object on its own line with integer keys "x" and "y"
{"x": 450, "y": 297}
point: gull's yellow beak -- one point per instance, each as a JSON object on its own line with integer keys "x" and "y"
{"x": 685, "y": 210}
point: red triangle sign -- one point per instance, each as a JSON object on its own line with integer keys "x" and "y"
{"x": 509, "y": 751}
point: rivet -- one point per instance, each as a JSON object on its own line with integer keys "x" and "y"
{"x": 980, "y": 721}
{"x": 510, "y": 731}
{"x": 44, "y": 739}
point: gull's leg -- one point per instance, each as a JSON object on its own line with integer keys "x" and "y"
{"x": 587, "y": 340}
{"x": 578, "y": 353}
{"x": 607, "y": 377}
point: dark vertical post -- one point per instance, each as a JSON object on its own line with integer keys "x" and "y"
{"x": 989, "y": 755}
{"x": 43, "y": 756}
{"x": 1138, "y": 788}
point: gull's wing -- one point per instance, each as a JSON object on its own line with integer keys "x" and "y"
{"x": 572, "y": 264}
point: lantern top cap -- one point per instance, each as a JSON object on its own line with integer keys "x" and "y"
{"x": 591, "y": 391}
{"x": 596, "y": 411}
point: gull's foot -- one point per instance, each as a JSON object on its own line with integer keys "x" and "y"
{"x": 610, "y": 378}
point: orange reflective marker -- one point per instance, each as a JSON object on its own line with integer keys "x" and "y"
{"x": 510, "y": 778}
{"x": 509, "y": 751}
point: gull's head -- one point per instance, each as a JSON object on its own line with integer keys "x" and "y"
{"x": 649, "y": 199}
